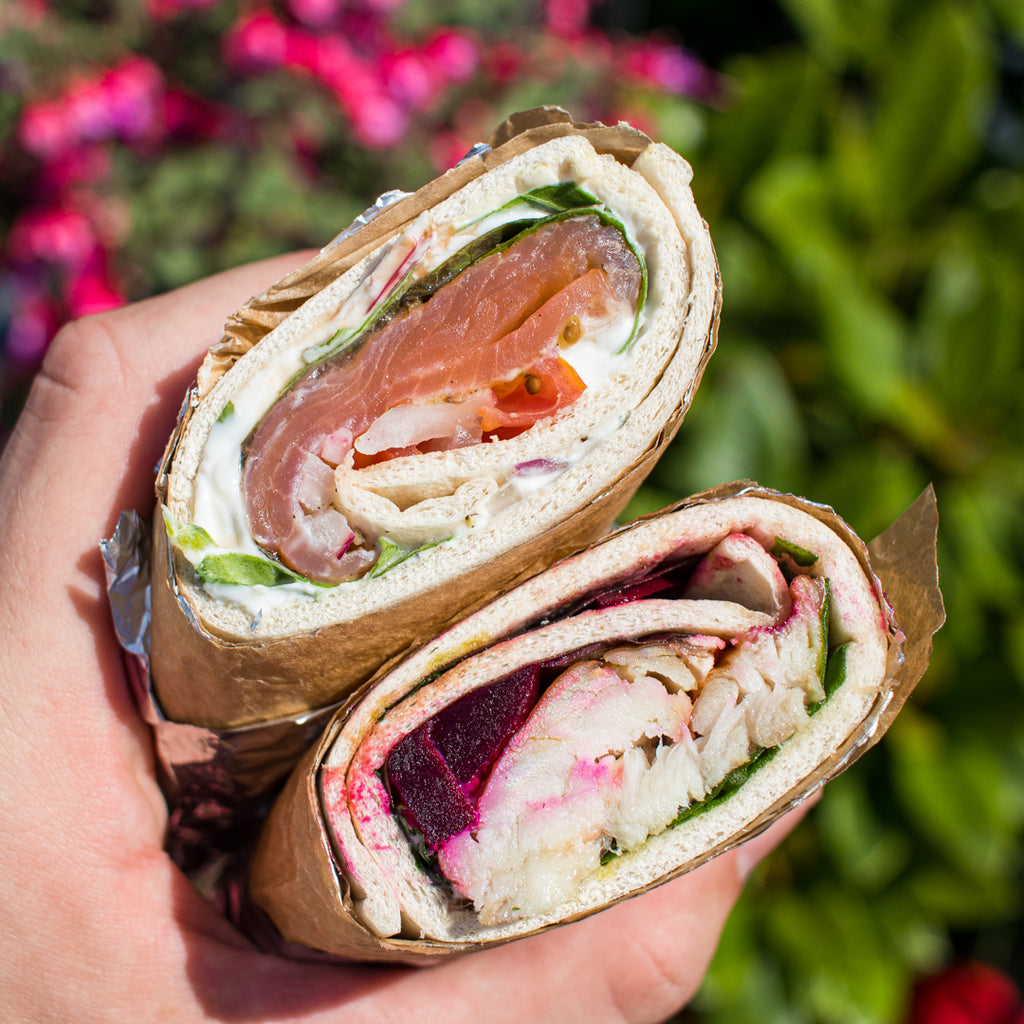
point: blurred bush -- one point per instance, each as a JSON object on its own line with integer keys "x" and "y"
{"x": 862, "y": 168}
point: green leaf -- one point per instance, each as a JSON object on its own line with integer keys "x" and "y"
{"x": 1011, "y": 14}
{"x": 728, "y": 786}
{"x": 192, "y": 539}
{"x": 566, "y": 195}
{"x": 934, "y": 106}
{"x": 391, "y": 555}
{"x": 985, "y": 526}
{"x": 823, "y": 25}
{"x": 243, "y": 570}
{"x": 779, "y": 105}
{"x": 833, "y": 942}
{"x": 961, "y": 796}
{"x": 744, "y": 982}
{"x": 971, "y": 301}
{"x": 962, "y": 901}
{"x": 745, "y": 424}
{"x": 793, "y": 203}
{"x": 800, "y": 555}
{"x": 835, "y": 670}
{"x": 868, "y": 850}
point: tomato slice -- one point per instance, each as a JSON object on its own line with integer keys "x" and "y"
{"x": 549, "y": 385}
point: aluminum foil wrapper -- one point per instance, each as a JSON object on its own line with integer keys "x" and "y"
{"x": 392, "y": 196}
{"x": 218, "y": 784}
{"x": 383, "y": 202}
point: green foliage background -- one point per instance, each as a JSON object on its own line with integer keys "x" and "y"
{"x": 863, "y": 177}
{"x": 864, "y": 188}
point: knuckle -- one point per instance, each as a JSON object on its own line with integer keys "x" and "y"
{"x": 84, "y": 368}
{"x": 657, "y": 983}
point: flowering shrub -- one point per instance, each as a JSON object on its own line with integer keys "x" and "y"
{"x": 144, "y": 149}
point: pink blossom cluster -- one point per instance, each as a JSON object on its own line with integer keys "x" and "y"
{"x": 118, "y": 103}
{"x": 59, "y": 249}
{"x": 57, "y": 246}
{"x": 379, "y": 83}
{"x": 63, "y": 249}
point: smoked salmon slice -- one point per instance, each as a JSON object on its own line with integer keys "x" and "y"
{"x": 494, "y": 330}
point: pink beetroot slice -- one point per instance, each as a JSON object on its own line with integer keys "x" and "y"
{"x": 437, "y": 767}
{"x": 434, "y": 800}
{"x": 472, "y": 732}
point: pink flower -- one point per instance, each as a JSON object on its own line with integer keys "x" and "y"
{"x": 410, "y": 78}
{"x": 380, "y": 6}
{"x": 45, "y": 129}
{"x": 257, "y": 43}
{"x": 123, "y": 102}
{"x": 504, "y": 62}
{"x": 92, "y": 290}
{"x": 133, "y": 92}
{"x": 315, "y": 13}
{"x": 334, "y": 61}
{"x": 567, "y": 17}
{"x": 34, "y": 321}
{"x": 188, "y": 116}
{"x": 85, "y": 103}
{"x": 82, "y": 164}
{"x": 968, "y": 993}
{"x": 668, "y": 67}
{"x": 57, "y": 236}
{"x": 302, "y": 50}
{"x": 378, "y": 121}
{"x": 353, "y": 84}
{"x": 455, "y": 55}
{"x": 161, "y": 10}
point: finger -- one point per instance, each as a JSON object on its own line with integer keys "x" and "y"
{"x": 638, "y": 961}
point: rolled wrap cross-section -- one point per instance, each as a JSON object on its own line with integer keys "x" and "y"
{"x": 475, "y": 389}
{"x": 603, "y": 727}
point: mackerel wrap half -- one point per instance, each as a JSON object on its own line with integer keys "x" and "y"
{"x": 337, "y": 868}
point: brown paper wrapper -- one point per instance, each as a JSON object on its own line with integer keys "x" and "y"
{"x": 227, "y": 682}
{"x": 295, "y": 877}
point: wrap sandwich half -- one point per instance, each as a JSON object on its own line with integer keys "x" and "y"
{"x": 472, "y": 385}
{"x": 609, "y": 724}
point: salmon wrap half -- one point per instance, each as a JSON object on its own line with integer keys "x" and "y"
{"x": 473, "y": 384}
{"x": 607, "y": 725}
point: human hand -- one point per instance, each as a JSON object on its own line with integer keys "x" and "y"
{"x": 98, "y": 924}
